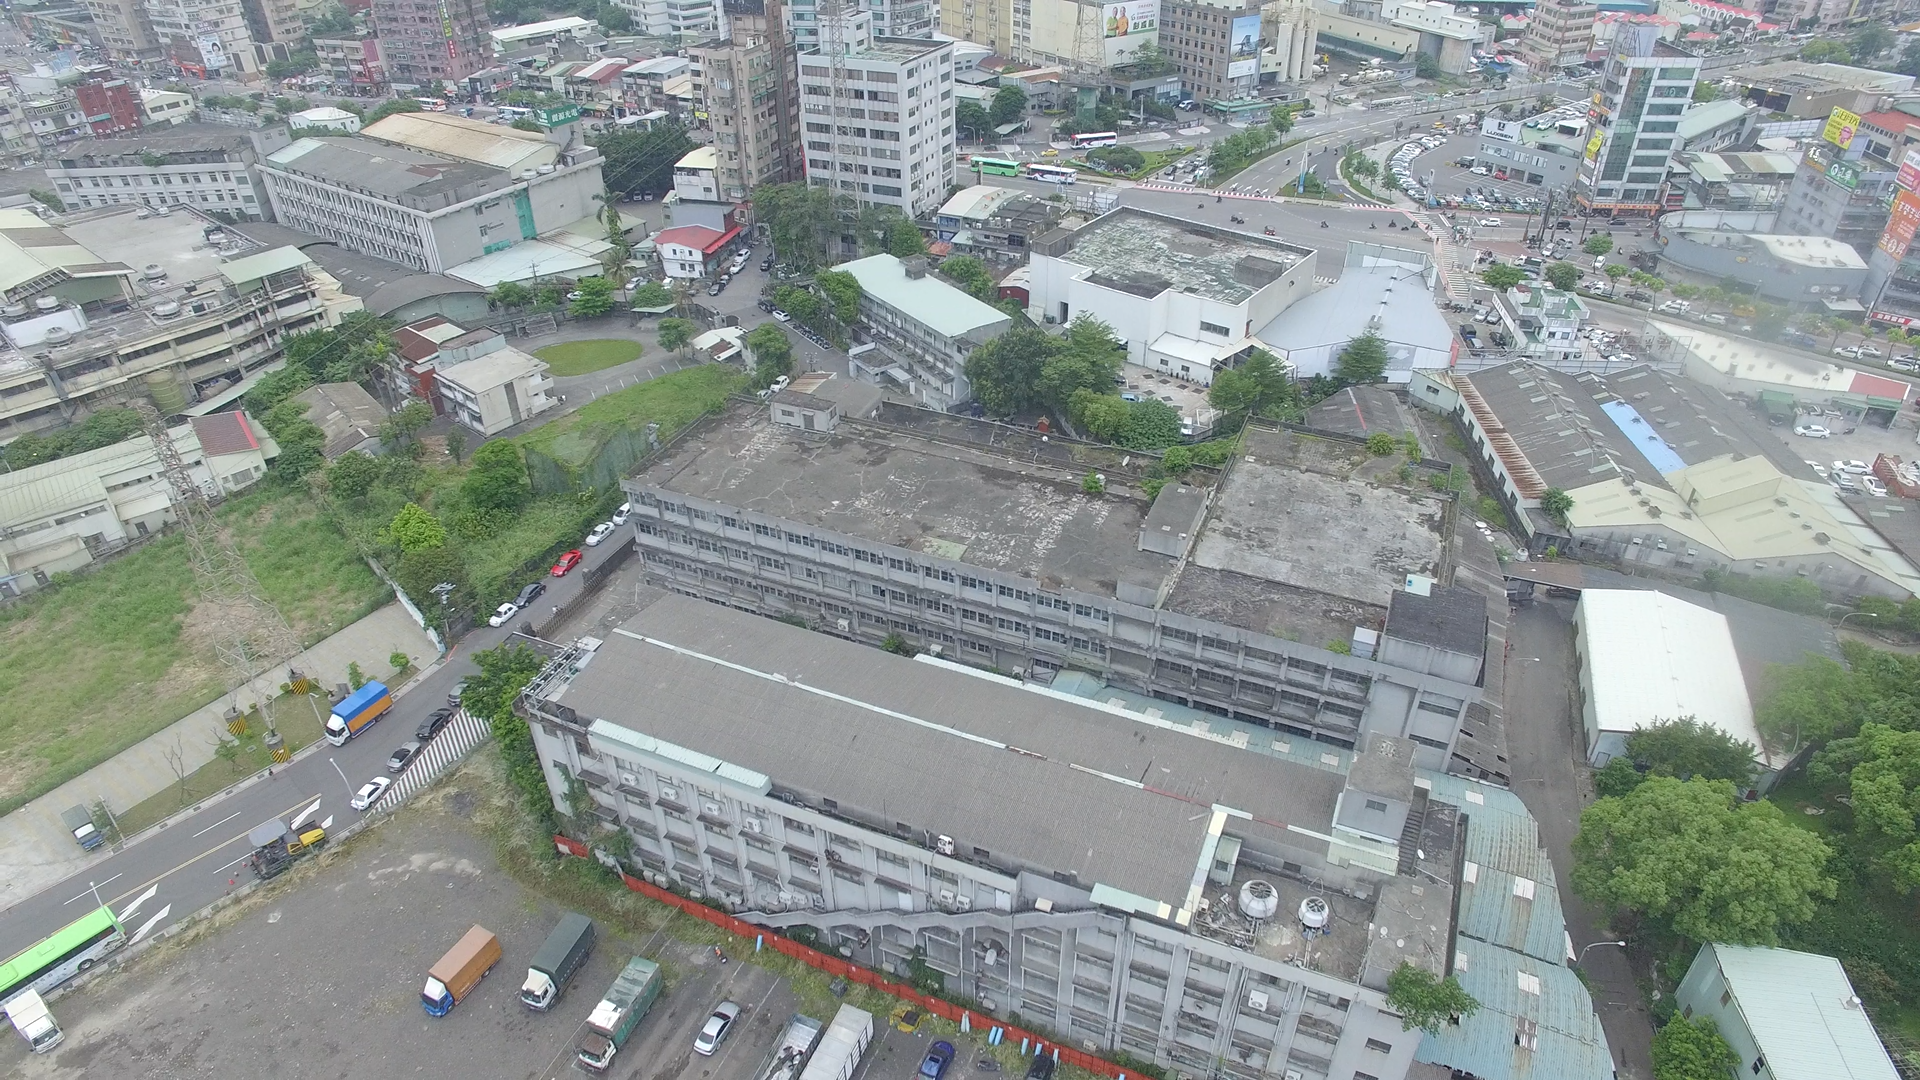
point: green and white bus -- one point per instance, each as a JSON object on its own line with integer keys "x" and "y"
{"x": 994, "y": 166}
{"x": 62, "y": 956}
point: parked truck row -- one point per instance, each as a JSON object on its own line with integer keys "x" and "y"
{"x": 807, "y": 1050}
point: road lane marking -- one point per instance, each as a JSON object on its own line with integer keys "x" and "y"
{"x": 235, "y": 862}
{"x": 215, "y": 825}
{"x": 89, "y": 892}
{"x": 164, "y": 874}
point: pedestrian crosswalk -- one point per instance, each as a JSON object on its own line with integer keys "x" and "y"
{"x": 454, "y": 742}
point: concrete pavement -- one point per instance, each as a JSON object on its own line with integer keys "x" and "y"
{"x": 35, "y": 847}
{"x": 1545, "y": 750}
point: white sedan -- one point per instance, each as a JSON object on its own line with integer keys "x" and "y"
{"x": 1812, "y": 431}
{"x": 1854, "y": 466}
{"x": 370, "y": 792}
{"x": 501, "y": 614}
{"x": 600, "y": 532}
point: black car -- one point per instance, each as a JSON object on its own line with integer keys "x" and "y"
{"x": 766, "y": 306}
{"x": 431, "y": 725}
{"x": 1041, "y": 1068}
{"x": 766, "y": 264}
{"x": 528, "y": 594}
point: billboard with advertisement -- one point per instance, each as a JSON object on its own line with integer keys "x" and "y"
{"x": 1132, "y": 17}
{"x": 1901, "y": 225}
{"x": 1243, "y": 56}
{"x": 1841, "y": 127}
{"x": 1909, "y": 176}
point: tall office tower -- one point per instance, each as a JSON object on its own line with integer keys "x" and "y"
{"x": 1647, "y": 85}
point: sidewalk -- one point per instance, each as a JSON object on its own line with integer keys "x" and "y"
{"x": 35, "y": 847}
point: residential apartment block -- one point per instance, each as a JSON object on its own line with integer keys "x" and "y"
{"x": 997, "y": 557}
{"x": 163, "y": 302}
{"x": 432, "y": 190}
{"x": 210, "y": 38}
{"x": 35, "y": 125}
{"x": 1559, "y": 35}
{"x": 922, "y": 330}
{"x": 1236, "y": 915}
{"x": 433, "y": 41}
{"x": 206, "y": 166}
{"x": 1214, "y": 46}
{"x": 356, "y": 62}
{"x": 883, "y": 136}
{"x": 1646, "y": 87}
{"x": 490, "y": 386}
{"x": 673, "y": 18}
{"x": 126, "y": 32}
{"x": 744, "y": 86}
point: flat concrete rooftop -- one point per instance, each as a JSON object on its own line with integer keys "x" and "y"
{"x": 976, "y": 504}
{"x": 1147, "y": 253}
{"x": 1299, "y": 547}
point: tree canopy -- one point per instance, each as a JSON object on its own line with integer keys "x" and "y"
{"x": 497, "y": 479}
{"x": 1426, "y": 1002}
{"x": 388, "y": 108}
{"x": 642, "y": 161}
{"x": 1027, "y": 369}
{"x": 969, "y": 273}
{"x": 1009, "y": 104}
{"x": 843, "y": 292}
{"x": 1363, "y": 361}
{"x": 1563, "y": 276}
{"x": 1692, "y": 1049}
{"x": 1258, "y": 384}
{"x": 1693, "y": 857}
{"x": 1502, "y": 276}
{"x": 971, "y": 118}
{"x": 596, "y": 298}
{"x": 1881, "y": 770}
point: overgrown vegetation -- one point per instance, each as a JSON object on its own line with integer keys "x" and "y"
{"x": 100, "y": 660}
{"x": 1425, "y": 1001}
{"x": 100, "y": 429}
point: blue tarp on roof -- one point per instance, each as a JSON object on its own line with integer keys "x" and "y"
{"x": 1644, "y": 438}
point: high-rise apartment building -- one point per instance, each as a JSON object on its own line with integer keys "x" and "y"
{"x": 877, "y": 119}
{"x": 426, "y": 42}
{"x": 674, "y": 18}
{"x": 212, "y": 37}
{"x": 275, "y": 27}
{"x": 125, "y": 30}
{"x": 1646, "y": 87}
{"x": 1559, "y": 35}
{"x": 984, "y": 22}
{"x": 744, "y": 87}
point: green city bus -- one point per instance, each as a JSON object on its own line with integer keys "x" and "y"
{"x": 995, "y": 166}
{"x": 62, "y": 956}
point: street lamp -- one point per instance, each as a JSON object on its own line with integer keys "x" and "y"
{"x": 1851, "y": 614}
{"x": 1591, "y": 944}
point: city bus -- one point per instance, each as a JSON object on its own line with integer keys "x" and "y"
{"x": 1053, "y": 174}
{"x": 994, "y": 166}
{"x": 62, "y": 956}
{"x": 1092, "y": 139}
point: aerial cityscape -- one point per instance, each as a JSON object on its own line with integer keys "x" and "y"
{"x": 1080, "y": 539}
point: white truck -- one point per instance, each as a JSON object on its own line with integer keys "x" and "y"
{"x": 34, "y": 1023}
{"x": 838, "y": 1055}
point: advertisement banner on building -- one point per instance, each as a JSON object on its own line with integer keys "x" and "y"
{"x": 1133, "y": 17}
{"x": 1503, "y": 130}
{"x": 1909, "y": 177}
{"x": 1844, "y": 173}
{"x": 1901, "y": 225}
{"x": 1841, "y": 127}
{"x": 213, "y": 52}
{"x": 1243, "y": 57}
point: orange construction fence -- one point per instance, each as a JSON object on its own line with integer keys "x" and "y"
{"x": 833, "y": 965}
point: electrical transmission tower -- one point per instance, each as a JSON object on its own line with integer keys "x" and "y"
{"x": 834, "y": 15}
{"x": 253, "y": 636}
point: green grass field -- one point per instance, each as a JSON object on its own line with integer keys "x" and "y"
{"x": 103, "y": 659}
{"x": 581, "y": 357}
{"x": 672, "y": 401}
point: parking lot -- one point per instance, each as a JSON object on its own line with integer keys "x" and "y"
{"x": 319, "y": 975}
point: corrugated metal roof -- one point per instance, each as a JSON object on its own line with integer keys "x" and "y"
{"x": 937, "y": 305}
{"x": 1795, "y": 1006}
{"x": 1656, "y": 657}
{"x": 1536, "y": 1020}
{"x": 266, "y": 263}
{"x": 1515, "y": 911}
{"x": 465, "y": 140}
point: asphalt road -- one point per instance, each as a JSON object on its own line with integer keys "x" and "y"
{"x": 192, "y": 859}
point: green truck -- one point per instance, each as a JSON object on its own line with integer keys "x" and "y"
{"x": 633, "y": 992}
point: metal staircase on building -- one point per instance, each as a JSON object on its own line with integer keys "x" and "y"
{"x": 1410, "y": 832}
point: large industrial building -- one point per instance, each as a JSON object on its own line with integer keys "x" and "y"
{"x": 1186, "y": 297}
{"x": 1133, "y": 877}
{"x": 1362, "y": 610}
{"x": 131, "y": 301}
{"x": 1668, "y": 472}
{"x": 433, "y": 190}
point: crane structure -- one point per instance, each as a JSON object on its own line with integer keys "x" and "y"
{"x": 252, "y": 634}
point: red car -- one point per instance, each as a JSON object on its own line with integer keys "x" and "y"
{"x": 567, "y": 562}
